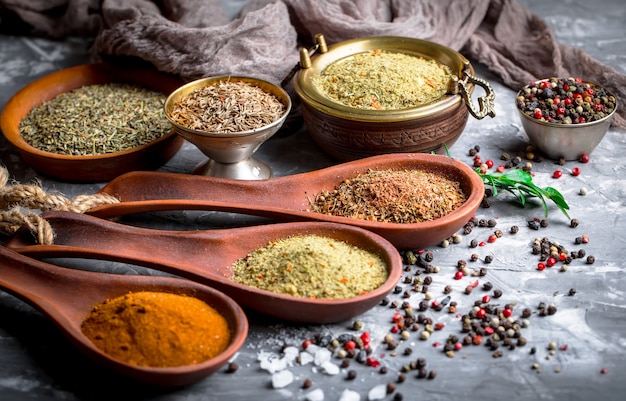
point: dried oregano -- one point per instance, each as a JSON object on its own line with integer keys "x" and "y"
{"x": 96, "y": 119}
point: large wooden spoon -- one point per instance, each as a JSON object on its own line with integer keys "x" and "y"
{"x": 66, "y": 296}
{"x": 287, "y": 197}
{"x": 206, "y": 256}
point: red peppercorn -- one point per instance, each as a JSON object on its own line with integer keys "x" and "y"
{"x": 575, "y": 171}
{"x": 481, "y": 313}
{"x": 482, "y": 243}
{"x": 489, "y": 163}
{"x": 492, "y": 238}
{"x": 506, "y": 312}
{"x": 500, "y": 169}
{"x": 373, "y": 362}
{"x": 458, "y": 275}
{"x": 349, "y": 345}
{"x": 541, "y": 266}
{"x": 584, "y": 158}
{"x": 365, "y": 338}
{"x": 458, "y": 346}
{"x": 396, "y": 317}
{"x": 395, "y": 329}
{"x": 560, "y": 111}
{"x": 489, "y": 330}
{"x": 550, "y": 262}
{"x": 557, "y": 174}
{"x": 538, "y": 114}
{"x": 568, "y": 101}
{"x": 306, "y": 343}
{"x": 563, "y": 347}
{"x": 486, "y": 299}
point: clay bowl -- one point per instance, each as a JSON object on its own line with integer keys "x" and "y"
{"x": 206, "y": 256}
{"x": 45, "y": 287}
{"x": 287, "y": 197}
{"x": 230, "y": 154}
{"x": 568, "y": 141}
{"x": 348, "y": 133}
{"x": 88, "y": 168}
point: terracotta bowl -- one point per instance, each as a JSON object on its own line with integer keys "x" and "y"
{"x": 88, "y": 168}
{"x": 567, "y": 141}
{"x": 347, "y": 133}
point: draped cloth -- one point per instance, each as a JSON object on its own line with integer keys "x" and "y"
{"x": 197, "y": 38}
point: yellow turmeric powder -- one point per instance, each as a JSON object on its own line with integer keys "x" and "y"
{"x": 157, "y": 329}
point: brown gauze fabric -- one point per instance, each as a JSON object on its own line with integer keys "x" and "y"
{"x": 195, "y": 38}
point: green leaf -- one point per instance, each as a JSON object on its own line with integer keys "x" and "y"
{"x": 520, "y": 183}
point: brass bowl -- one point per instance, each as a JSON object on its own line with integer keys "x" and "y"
{"x": 230, "y": 154}
{"x": 347, "y": 133}
{"x": 94, "y": 168}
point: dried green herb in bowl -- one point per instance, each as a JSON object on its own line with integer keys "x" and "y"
{"x": 85, "y": 140}
{"x": 97, "y": 119}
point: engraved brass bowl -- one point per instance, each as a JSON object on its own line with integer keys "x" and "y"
{"x": 96, "y": 168}
{"x": 348, "y": 133}
{"x": 230, "y": 154}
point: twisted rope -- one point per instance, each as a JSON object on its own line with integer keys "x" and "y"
{"x": 16, "y": 197}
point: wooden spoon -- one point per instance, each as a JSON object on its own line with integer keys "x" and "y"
{"x": 66, "y": 296}
{"x": 206, "y": 256}
{"x": 287, "y": 197}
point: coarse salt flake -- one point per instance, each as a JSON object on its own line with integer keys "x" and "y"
{"x": 350, "y": 395}
{"x": 315, "y": 395}
{"x": 282, "y": 379}
{"x": 377, "y": 392}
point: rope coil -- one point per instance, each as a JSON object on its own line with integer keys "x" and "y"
{"x": 14, "y": 198}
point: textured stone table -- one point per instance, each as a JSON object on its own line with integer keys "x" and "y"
{"x": 589, "y": 328}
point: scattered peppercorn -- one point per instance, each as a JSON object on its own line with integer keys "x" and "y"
{"x": 232, "y": 367}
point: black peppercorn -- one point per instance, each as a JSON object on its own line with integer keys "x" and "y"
{"x": 306, "y": 384}
{"x": 351, "y": 374}
{"x": 232, "y": 367}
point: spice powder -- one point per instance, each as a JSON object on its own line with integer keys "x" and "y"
{"x": 382, "y": 80}
{"x": 311, "y": 266}
{"x": 157, "y": 329}
{"x": 392, "y": 196}
{"x": 97, "y": 119}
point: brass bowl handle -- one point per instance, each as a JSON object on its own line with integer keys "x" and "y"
{"x": 486, "y": 106}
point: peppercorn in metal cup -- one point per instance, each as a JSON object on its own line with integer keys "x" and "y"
{"x": 565, "y": 118}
